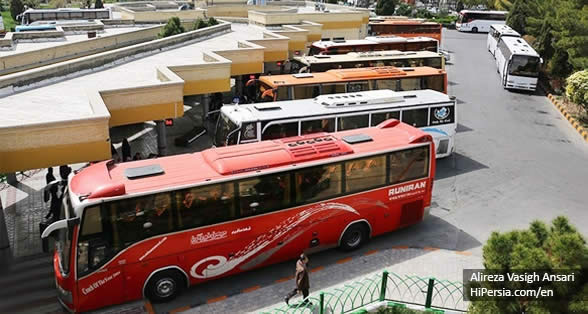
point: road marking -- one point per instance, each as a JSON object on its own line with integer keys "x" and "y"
{"x": 251, "y": 289}
{"x": 428, "y": 248}
{"x": 149, "y": 307}
{"x": 370, "y": 252}
{"x": 400, "y": 247}
{"x": 284, "y": 279}
{"x": 216, "y": 299}
{"x": 466, "y": 253}
{"x": 314, "y": 270}
{"x": 180, "y": 309}
{"x": 344, "y": 260}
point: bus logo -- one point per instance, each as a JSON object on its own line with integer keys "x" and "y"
{"x": 441, "y": 113}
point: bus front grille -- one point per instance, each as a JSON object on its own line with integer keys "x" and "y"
{"x": 443, "y": 145}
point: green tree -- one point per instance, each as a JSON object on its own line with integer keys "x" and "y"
{"x": 517, "y": 16}
{"x": 31, "y": 4}
{"x": 200, "y": 23}
{"x": 98, "y": 4}
{"x": 386, "y": 7}
{"x": 404, "y": 10}
{"x": 570, "y": 32}
{"x": 559, "y": 247}
{"x": 173, "y": 27}
{"x": 16, "y": 8}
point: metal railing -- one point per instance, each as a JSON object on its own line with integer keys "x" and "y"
{"x": 429, "y": 292}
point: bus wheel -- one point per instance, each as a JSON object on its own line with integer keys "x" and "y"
{"x": 164, "y": 286}
{"x": 354, "y": 237}
{"x": 475, "y": 29}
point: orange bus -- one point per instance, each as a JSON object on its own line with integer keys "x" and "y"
{"x": 373, "y": 43}
{"x": 309, "y": 85}
{"x": 405, "y": 28}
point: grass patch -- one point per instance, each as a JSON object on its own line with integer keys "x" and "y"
{"x": 9, "y": 22}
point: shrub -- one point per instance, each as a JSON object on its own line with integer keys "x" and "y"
{"x": 173, "y": 27}
{"x": 57, "y": 3}
{"x": 98, "y": 4}
{"x": 199, "y": 23}
{"x": 212, "y": 21}
{"x": 577, "y": 88}
{"x": 386, "y": 7}
{"x": 404, "y": 9}
{"x": 16, "y": 8}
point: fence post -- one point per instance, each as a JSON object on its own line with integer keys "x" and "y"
{"x": 383, "y": 287}
{"x": 322, "y": 303}
{"x": 430, "y": 293}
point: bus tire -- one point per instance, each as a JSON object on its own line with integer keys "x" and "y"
{"x": 164, "y": 286}
{"x": 474, "y": 29}
{"x": 354, "y": 237}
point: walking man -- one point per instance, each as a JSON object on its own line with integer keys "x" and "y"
{"x": 302, "y": 281}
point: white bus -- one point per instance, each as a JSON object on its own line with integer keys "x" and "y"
{"x": 31, "y": 16}
{"x": 518, "y": 64}
{"x": 496, "y": 32}
{"x": 479, "y": 21}
{"x": 429, "y": 110}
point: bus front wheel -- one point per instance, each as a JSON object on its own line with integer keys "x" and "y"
{"x": 354, "y": 237}
{"x": 475, "y": 29}
{"x": 164, "y": 286}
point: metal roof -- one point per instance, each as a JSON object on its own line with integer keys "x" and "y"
{"x": 519, "y": 46}
{"x": 371, "y": 40}
{"x": 368, "y": 55}
{"x": 505, "y": 30}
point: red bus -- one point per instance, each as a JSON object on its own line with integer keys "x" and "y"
{"x": 152, "y": 228}
{"x": 373, "y": 43}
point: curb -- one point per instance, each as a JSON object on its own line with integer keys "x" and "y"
{"x": 573, "y": 122}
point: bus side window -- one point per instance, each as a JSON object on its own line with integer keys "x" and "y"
{"x": 158, "y": 215}
{"x": 365, "y": 174}
{"x": 410, "y": 84}
{"x": 320, "y": 125}
{"x": 318, "y": 183}
{"x": 378, "y": 118}
{"x": 352, "y": 122}
{"x": 433, "y": 82}
{"x": 264, "y": 194}
{"x": 387, "y": 84}
{"x": 416, "y": 117}
{"x": 433, "y": 62}
{"x": 281, "y": 130}
{"x": 205, "y": 205}
{"x": 333, "y": 88}
{"x": 409, "y": 164}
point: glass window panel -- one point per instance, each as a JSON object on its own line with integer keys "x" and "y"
{"x": 333, "y": 88}
{"x": 352, "y": 122}
{"x": 410, "y": 84}
{"x": 205, "y": 205}
{"x": 320, "y": 125}
{"x": 306, "y": 91}
{"x": 387, "y": 84}
{"x": 358, "y": 86}
{"x": 264, "y": 194}
{"x": 365, "y": 174}
{"x": 442, "y": 115}
{"x": 409, "y": 164}
{"x": 415, "y": 117}
{"x": 280, "y": 131}
{"x": 435, "y": 82}
{"x": 378, "y": 118}
{"x": 92, "y": 221}
{"x": 318, "y": 183}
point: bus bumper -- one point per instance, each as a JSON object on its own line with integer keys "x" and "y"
{"x": 426, "y": 212}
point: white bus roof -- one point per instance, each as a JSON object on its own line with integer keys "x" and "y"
{"x": 481, "y": 11}
{"x": 368, "y": 55}
{"x": 519, "y": 46}
{"x": 331, "y": 104}
{"x": 370, "y": 40}
{"x": 505, "y": 30}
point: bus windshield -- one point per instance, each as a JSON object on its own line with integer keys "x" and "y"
{"x": 225, "y": 132}
{"x": 63, "y": 244}
{"x": 524, "y": 66}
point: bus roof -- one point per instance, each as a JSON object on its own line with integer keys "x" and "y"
{"x": 482, "y": 11}
{"x": 519, "y": 46}
{"x": 368, "y": 56}
{"x": 327, "y": 104}
{"x": 64, "y": 10}
{"x": 505, "y": 30}
{"x": 370, "y": 40}
{"x": 107, "y": 179}
{"x": 402, "y": 22}
{"x": 347, "y": 75}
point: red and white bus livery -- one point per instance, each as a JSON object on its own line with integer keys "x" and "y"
{"x": 152, "y": 228}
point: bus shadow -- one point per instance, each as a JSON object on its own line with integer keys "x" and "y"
{"x": 456, "y": 164}
{"x": 261, "y": 288}
{"x": 462, "y": 128}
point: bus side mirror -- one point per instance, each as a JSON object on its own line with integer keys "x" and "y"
{"x": 58, "y": 225}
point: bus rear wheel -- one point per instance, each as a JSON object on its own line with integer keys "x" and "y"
{"x": 474, "y": 29}
{"x": 164, "y": 286}
{"x": 354, "y": 237}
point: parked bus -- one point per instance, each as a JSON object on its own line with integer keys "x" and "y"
{"x": 518, "y": 64}
{"x": 153, "y": 227}
{"x": 405, "y": 28}
{"x": 35, "y": 28}
{"x": 401, "y": 59}
{"x": 479, "y": 21}
{"x": 309, "y": 85}
{"x": 373, "y": 43}
{"x": 496, "y": 32}
{"x": 432, "y": 111}
{"x": 34, "y": 15}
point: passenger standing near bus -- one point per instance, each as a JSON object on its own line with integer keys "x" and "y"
{"x": 302, "y": 280}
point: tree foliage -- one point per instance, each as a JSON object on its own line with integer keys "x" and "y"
{"x": 98, "y": 4}
{"x": 577, "y": 88}
{"x": 16, "y": 8}
{"x": 557, "y": 247}
{"x": 517, "y": 16}
{"x": 404, "y": 10}
{"x": 386, "y": 7}
{"x": 173, "y": 27}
